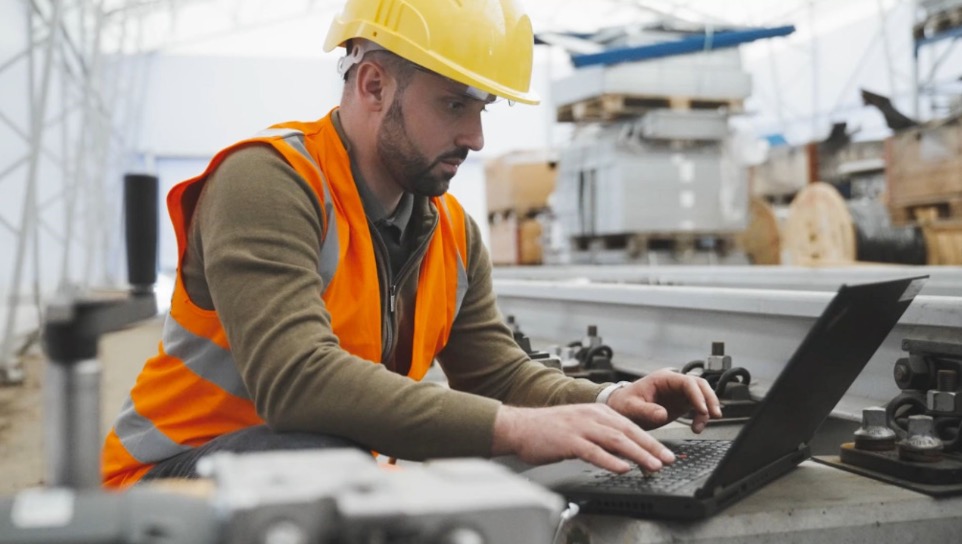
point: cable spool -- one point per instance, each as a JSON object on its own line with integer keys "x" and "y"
{"x": 761, "y": 240}
{"x": 822, "y": 228}
{"x": 877, "y": 240}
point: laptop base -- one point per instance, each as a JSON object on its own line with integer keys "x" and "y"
{"x": 700, "y": 505}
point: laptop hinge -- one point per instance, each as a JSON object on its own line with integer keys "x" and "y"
{"x": 759, "y": 477}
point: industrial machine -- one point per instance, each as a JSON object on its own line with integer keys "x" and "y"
{"x": 730, "y": 384}
{"x": 311, "y": 496}
{"x": 653, "y": 167}
{"x": 914, "y": 441}
{"x": 625, "y": 178}
{"x": 588, "y": 358}
{"x": 592, "y": 359}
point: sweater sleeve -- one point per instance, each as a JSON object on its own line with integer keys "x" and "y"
{"x": 257, "y": 235}
{"x": 482, "y": 357}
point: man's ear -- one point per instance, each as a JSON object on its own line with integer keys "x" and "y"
{"x": 372, "y": 84}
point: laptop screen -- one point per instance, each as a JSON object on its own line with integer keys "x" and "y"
{"x": 836, "y": 349}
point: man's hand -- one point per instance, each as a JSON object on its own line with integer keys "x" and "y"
{"x": 663, "y": 396}
{"x": 592, "y": 432}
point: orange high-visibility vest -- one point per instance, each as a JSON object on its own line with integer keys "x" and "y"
{"x": 191, "y": 392}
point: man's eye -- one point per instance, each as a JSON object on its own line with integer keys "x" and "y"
{"x": 456, "y": 105}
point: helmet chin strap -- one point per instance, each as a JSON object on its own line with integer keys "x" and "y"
{"x": 356, "y": 49}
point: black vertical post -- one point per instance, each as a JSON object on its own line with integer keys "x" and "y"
{"x": 140, "y": 221}
{"x": 72, "y": 328}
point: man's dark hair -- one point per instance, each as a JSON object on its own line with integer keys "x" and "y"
{"x": 401, "y": 69}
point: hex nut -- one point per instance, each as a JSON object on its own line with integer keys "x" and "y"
{"x": 874, "y": 434}
{"x": 921, "y": 444}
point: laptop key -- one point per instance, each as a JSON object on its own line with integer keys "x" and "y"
{"x": 693, "y": 459}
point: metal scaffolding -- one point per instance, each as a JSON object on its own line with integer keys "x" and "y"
{"x": 82, "y": 105}
{"x": 84, "y": 65}
{"x": 936, "y": 35}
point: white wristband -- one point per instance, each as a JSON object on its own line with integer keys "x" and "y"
{"x": 602, "y": 397}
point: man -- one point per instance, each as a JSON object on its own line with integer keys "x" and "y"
{"x": 316, "y": 250}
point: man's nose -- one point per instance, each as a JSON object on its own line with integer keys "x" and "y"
{"x": 472, "y": 135}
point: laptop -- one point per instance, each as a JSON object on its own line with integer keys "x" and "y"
{"x": 709, "y": 475}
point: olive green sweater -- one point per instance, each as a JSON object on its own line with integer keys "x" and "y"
{"x": 253, "y": 249}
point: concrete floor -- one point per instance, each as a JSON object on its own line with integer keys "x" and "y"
{"x": 21, "y": 412}
{"x": 813, "y": 504}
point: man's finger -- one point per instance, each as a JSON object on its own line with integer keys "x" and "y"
{"x": 714, "y": 405}
{"x": 697, "y": 395}
{"x": 623, "y": 438}
{"x": 596, "y": 455}
{"x": 703, "y": 398}
{"x": 652, "y": 449}
{"x": 650, "y": 413}
{"x": 620, "y": 439}
{"x": 699, "y": 422}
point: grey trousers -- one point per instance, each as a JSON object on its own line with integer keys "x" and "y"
{"x": 250, "y": 439}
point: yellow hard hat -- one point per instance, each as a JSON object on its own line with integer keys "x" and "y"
{"x": 484, "y": 44}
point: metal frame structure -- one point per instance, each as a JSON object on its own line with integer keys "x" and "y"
{"x": 86, "y": 65}
{"x": 655, "y": 326}
{"x": 82, "y": 109}
{"x": 936, "y": 49}
{"x": 901, "y": 84}
{"x": 944, "y": 281}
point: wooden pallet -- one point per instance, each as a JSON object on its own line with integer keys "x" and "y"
{"x": 610, "y": 107}
{"x": 927, "y": 210}
{"x": 943, "y": 241}
{"x": 637, "y": 244}
{"x": 924, "y": 169}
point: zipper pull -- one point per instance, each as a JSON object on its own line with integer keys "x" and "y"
{"x": 393, "y": 298}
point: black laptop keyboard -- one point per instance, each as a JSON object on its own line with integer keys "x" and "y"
{"x": 693, "y": 459}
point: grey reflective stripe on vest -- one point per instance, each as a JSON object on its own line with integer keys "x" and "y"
{"x": 144, "y": 441}
{"x": 462, "y": 289}
{"x": 462, "y": 286}
{"x": 330, "y": 245}
{"x": 204, "y": 358}
{"x": 273, "y": 132}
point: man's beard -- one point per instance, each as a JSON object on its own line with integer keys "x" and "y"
{"x": 409, "y": 166}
